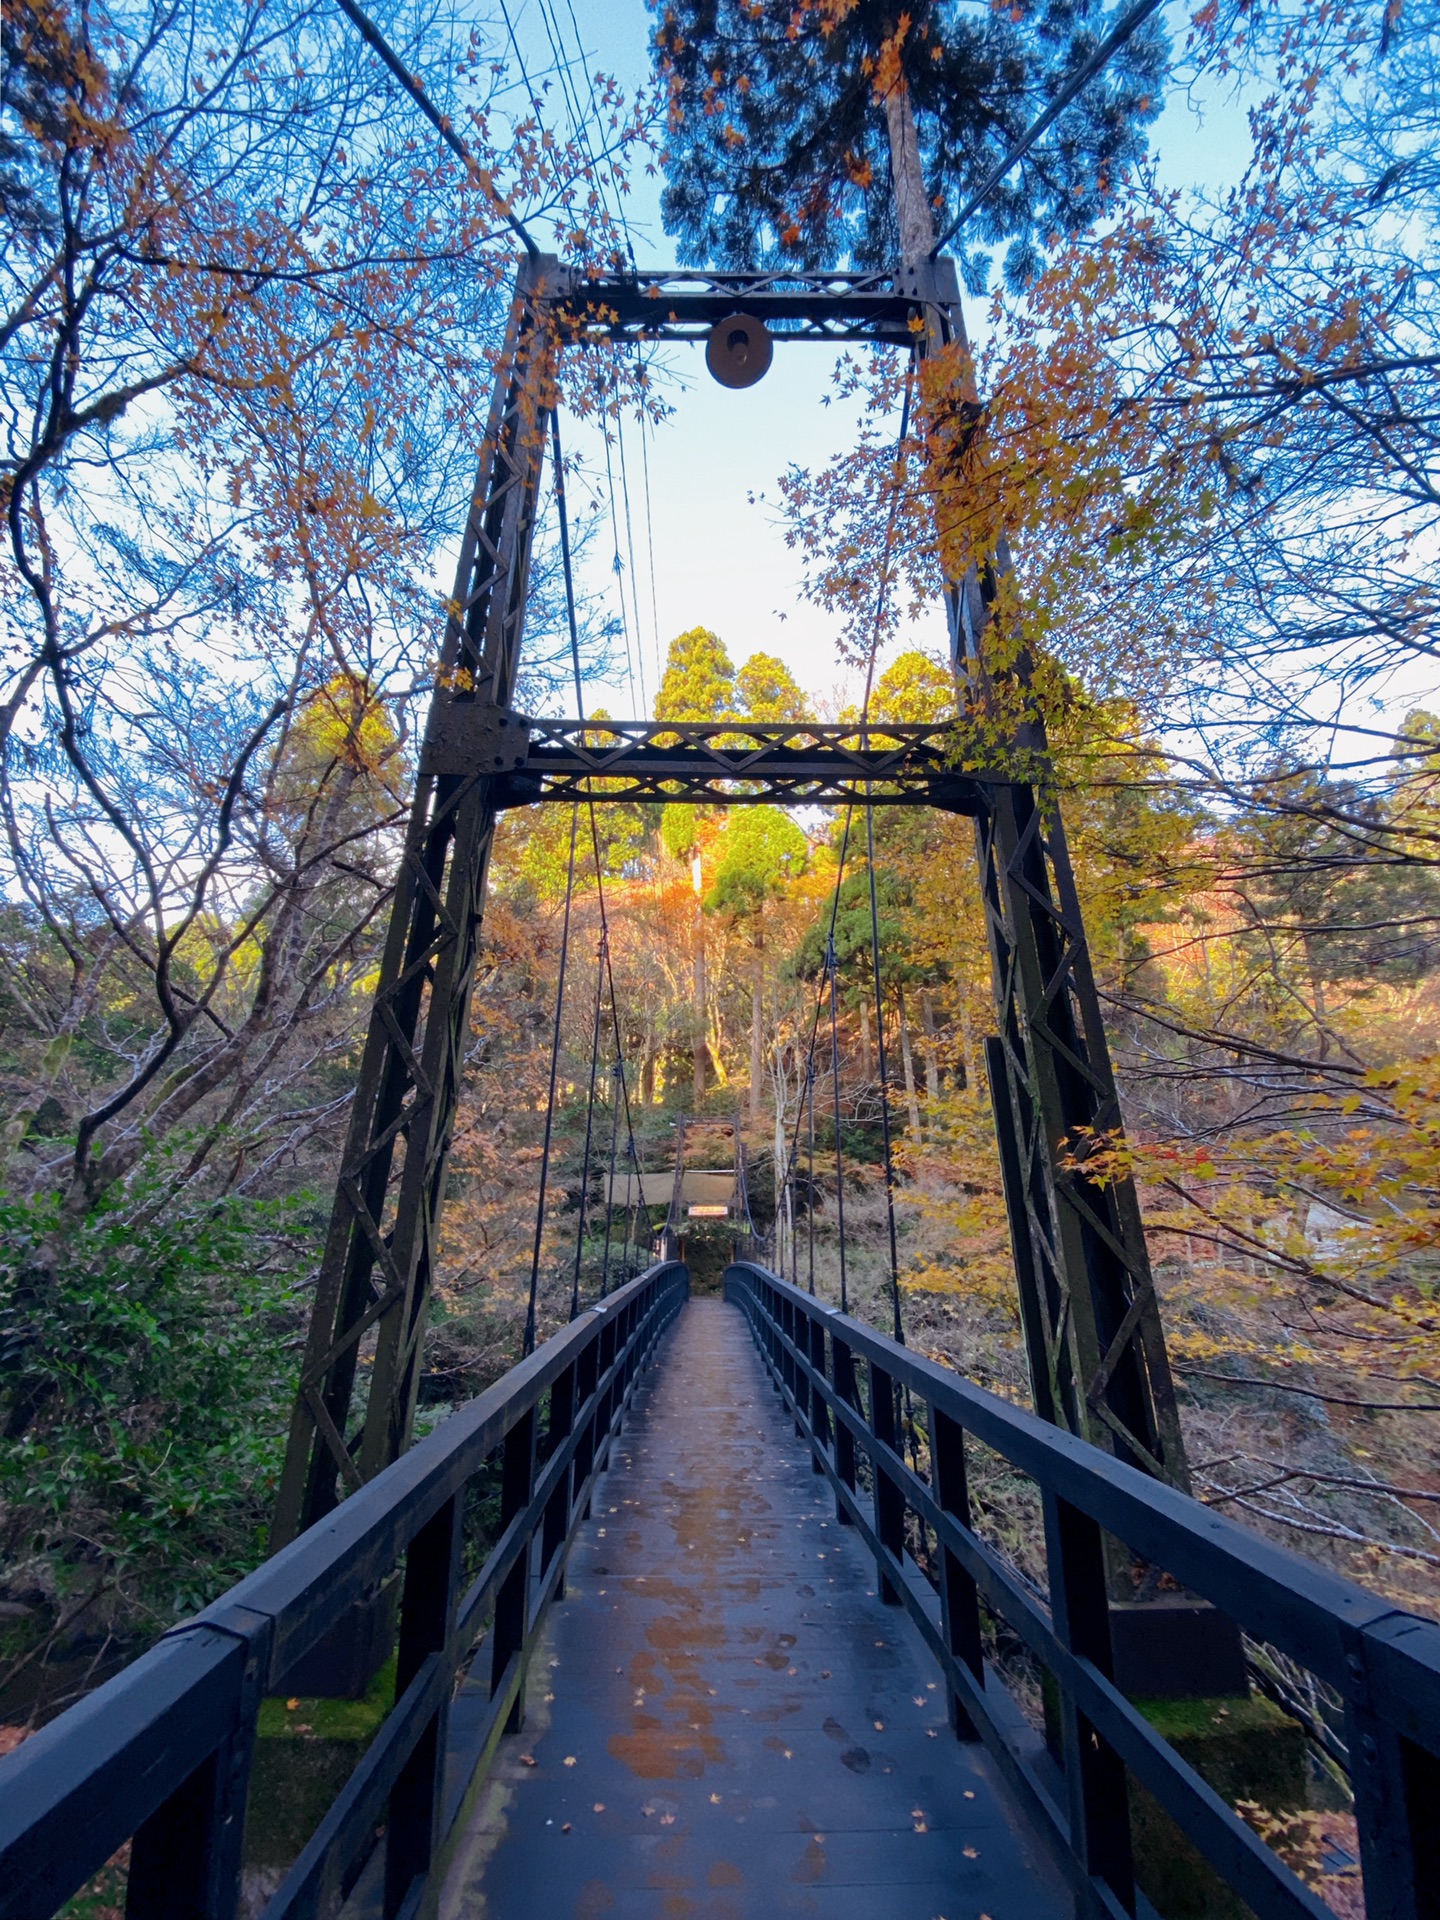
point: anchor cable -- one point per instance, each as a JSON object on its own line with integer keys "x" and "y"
{"x": 482, "y": 176}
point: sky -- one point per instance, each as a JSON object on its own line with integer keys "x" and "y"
{"x": 706, "y": 528}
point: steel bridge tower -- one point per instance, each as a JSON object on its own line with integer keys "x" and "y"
{"x": 1095, "y": 1347}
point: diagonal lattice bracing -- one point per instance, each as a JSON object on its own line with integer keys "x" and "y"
{"x": 375, "y": 1273}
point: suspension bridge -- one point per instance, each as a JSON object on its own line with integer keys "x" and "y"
{"x": 692, "y": 1611}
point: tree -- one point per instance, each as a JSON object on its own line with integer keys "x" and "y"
{"x": 760, "y": 850}
{"x": 790, "y": 124}
{"x": 699, "y": 679}
{"x": 244, "y": 297}
{"x": 768, "y": 693}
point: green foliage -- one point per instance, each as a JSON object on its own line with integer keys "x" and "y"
{"x": 760, "y": 849}
{"x": 145, "y": 1371}
{"x": 699, "y": 679}
{"x": 778, "y": 149}
{"x": 853, "y": 944}
{"x": 916, "y": 689}
{"x": 769, "y": 693}
{"x": 678, "y": 827}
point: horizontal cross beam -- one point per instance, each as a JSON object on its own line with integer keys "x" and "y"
{"x": 685, "y": 304}
{"x": 724, "y": 763}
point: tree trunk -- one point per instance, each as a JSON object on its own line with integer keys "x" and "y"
{"x": 699, "y": 1035}
{"x": 867, "y": 1061}
{"x": 912, "y": 1102}
{"x": 912, "y": 203}
{"x": 932, "y": 1062}
{"x": 757, "y": 1019}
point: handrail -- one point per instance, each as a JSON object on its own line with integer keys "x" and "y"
{"x": 161, "y": 1754}
{"x": 842, "y": 1382}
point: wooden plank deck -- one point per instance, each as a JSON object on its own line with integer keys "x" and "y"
{"x": 728, "y": 1722}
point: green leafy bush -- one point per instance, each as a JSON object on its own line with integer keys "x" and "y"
{"x": 146, "y": 1361}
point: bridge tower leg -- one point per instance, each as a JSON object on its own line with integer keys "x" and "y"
{"x": 379, "y": 1257}
{"x": 1091, "y": 1319}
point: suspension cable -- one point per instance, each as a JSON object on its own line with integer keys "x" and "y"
{"x": 529, "y": 1342}
{"x": 880, "y": 604}
{"x": 884, "y": 1079}
{"x": 1078, "y": 81}
{"x": 482, "y": 176}
{"x": 832, "y": 968}
{"x": 568, "y": 567}
{"x": 610, "y": 1208}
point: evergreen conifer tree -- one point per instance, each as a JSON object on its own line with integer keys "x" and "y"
{"x": 812, "y": 133}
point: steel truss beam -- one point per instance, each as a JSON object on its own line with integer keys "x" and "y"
{"x": 1087, "y": 1297}
{"x": 731, "y": 764}
{"x": 686, "y": 303}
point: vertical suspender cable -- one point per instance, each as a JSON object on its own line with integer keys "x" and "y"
{"x": 529, "y": 1343}
{"x": 884, "y": 1079}
{"x": 810, "y": 1175}
{"x": 567, "y": 563}
{"x": 832, "y": 968}
{"x": 609, "y": 1211}
{"x": 589, "y": 1130}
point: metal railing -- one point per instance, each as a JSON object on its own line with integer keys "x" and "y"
{"x": 161, "y": 1755}
{"x": 847, "y": 1388}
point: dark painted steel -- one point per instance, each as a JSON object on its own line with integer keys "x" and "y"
{"x": 718, "y": 1673}
{"x": 1092, "y": 1320}
{"x": 734, "y": 764}
{"x": 1385, "y": 1663}
{"x": 163, "y": 1751}
{"x": 379, "y": 1256}
{"x": 1087, "y": 1296}
{"x": 685, "y": 303}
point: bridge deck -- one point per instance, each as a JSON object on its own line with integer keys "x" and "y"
{"x": 734, "y": 1724}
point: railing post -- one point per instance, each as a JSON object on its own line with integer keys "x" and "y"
{"x": 605, "y": 1404}
{"x": 185, "y": 1860}
{"x": 889, "y": 1500}
{"x": 1094, "y": 1773}
{"x": 799, "y": 1391}
{"x": 959, "y": 1600}
{"x": 427, "y": 1614}
{"x": 587, "y": 1372}
{"x": 557, "y": 1507}
{"x": 517, "y": 1486}
{"x": 819, "y": 1412}
{"x": 1397, "y": 1805}
{"x": 843, "y": 1364}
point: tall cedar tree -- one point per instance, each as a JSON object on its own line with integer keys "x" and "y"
{"x": 809, "y": 133}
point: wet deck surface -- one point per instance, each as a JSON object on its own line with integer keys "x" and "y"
{"x": 736, "y": 1726}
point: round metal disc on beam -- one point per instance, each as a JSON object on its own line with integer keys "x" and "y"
{"x": 739, "y": 350}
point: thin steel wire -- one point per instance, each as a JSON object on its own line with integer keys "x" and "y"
{"x": 884, "y": 1078}
{"x": 528, "y": 1346}
{"x": 832, "y": 969}
{"x": 589, "y": 1130}
{"x": 880, "y": 604}
{"x": 568, "y": 566}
